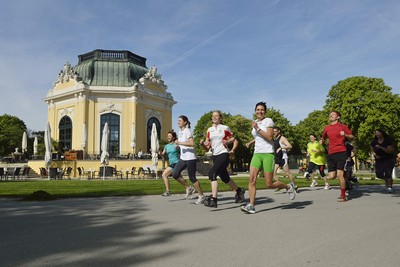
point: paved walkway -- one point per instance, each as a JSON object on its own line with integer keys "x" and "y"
{"x": 313, "y": 230}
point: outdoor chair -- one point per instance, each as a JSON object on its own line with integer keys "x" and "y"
{"x": 25, "y": 172}
{"x": 80, "y": 172}
{"x": 61, "y": 174}
{"x": 43, "y": 172}
{"x": 142, "y": 173}
{"x": 16, "y": 172}
{"x": 151, "y": 173}
{"x": 133, "y": 172}
{"x": 117, "y": 173}
{"x": 68, "y": 172}
{"x": 53, "y": 173}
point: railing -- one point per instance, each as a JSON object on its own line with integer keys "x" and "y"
{"x": 113, "y": 54}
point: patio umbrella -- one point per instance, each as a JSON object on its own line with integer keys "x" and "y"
{"x": 104, "y": 148}
{"x": 133, "y": 138}
{"x": 154, "y": 146}
{"x": 47, "y": 144}
{"x": 35, "y": 145}
{"x": 24, "y": 143}
{"x": 84, "y": 136}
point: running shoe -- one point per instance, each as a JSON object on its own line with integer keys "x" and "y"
{"x": 248, "y": 208}
{"x": 314, "y": 183}
{"x": 211, "y": 202}
{"x": 200, "y": 200}
{"x": 239, "y": 197}
{"x": 292, "y": 191}
{"x": 327, "y": 187}
{"x": 166, "y": 194}
{"x": 389, "y": 190}
{"x": 189, "y": 192}
{"x": 342, "y": 199}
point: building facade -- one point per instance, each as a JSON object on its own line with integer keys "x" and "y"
{"x": 114, "y": 87}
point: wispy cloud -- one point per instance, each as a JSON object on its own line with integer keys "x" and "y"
{"x": 212, "y": 54}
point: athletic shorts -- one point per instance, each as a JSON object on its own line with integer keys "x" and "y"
{"x": 265, "y": 161}
{"x": 281, "y": 162}
{"x": 172, "y": 166}
{"x": 337, "y": 161}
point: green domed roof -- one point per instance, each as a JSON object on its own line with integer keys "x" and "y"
{"x": 111, "y": 68}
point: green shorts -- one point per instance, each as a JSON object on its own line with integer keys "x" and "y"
{"x": 265, "y": 161}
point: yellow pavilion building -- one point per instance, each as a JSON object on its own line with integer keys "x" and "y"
{"x": 108, "y": 86}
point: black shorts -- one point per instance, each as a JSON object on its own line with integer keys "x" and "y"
{"x": 337, "y": 161}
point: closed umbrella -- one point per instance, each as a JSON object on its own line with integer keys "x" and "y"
{"x": 154, "y": 146}
{"x": 35, "y": 145}
{"x": 104, "y": 148}
{"x": 47, "y": 144}
{"x": 84, "y": 135}
{"x": 24, "y": 143}
{"x": 133, "y": 138}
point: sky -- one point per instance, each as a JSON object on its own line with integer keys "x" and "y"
{"x": 212, "y": 54}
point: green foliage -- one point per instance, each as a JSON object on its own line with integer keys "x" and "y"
{"x": 365, "y": 104}
{"x": 11, "y": 131}
{"x": 241, "y": 128}
{"x": 313, "y": 124}
{"x": 287, "y": 129}
{"x": 199, "y": 132}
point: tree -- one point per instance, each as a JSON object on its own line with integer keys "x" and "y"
{"x": 241, "y": 128}
{"x": 200, "y": 130}
{"x": 313, "y": 124}
{"x": 11, "y": 131}
{"x": 365, "y": 104}
{"x": 287, "y": 129}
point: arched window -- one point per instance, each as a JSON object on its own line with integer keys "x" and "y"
{"x": 149, "y": 126}
{"x": 113, "y": 121}
{"x": 65, "y": 134}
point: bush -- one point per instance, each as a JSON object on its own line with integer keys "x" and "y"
{"x": 39, "y": 195}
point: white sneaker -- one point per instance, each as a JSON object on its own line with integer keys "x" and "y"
{"x": 327, "y": 187}
{"x": 314, "y": 183}
{"x": 248, "y": 208}
{"x": 389, "y": 190}
{"x": 200, "y": 200}
{"x": 189, "y": 192}
{"x": 292, "y": 191}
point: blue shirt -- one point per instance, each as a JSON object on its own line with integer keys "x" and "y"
{"x": 172, "y": 152}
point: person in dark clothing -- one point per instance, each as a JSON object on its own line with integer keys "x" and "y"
{"x": 382, "y": 149}
{"x": 349, "y": 168}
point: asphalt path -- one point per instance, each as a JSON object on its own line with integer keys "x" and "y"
{"x": 312, "y": 230}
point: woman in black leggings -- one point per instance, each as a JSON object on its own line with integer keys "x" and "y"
{"x": 217, "y": 139}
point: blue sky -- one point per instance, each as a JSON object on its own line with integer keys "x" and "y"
{"x": 212, "y": 54}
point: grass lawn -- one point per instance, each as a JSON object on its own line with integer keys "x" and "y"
{"x": 103, "y": 188}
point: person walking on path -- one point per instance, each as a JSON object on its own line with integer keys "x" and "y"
{"x": 337, "y": 133}
{"x": 263, "y": 157}
{"x": 281, "y": 146}
{"x": 172, "y": 152}
{"x": 187, "y": 158}
{"x": 382, "y": 149}
{"x": 316, "y": 151}
{"x": 218, "y": 138}
{"x": 349, "y": 168}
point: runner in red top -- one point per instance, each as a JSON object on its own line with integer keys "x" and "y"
{"x": 337, "y": 133}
